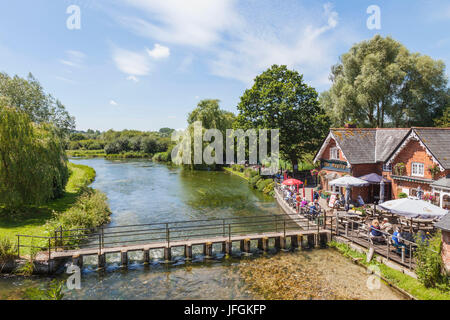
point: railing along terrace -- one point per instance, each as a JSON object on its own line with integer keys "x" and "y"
{"x": 359, "y": 233}
{"x": 164, "y": 232}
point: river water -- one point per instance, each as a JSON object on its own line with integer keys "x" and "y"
{"x": 140, "y": 191}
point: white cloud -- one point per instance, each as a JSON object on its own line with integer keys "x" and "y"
{"x": 254, "y": 51}
{"x": 131, "y": 63}
{"x": 194, "y": 22}
{"x": 113, "y": 103}
{"x": 159, "y": 52}
{"x": 133, "y": 78}
{"x": 73, "y": 59}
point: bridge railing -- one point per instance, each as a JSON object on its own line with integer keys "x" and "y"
{"x": 167, "y": 232}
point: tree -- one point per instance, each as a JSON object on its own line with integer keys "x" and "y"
{"x": 28, "y": 96}
{"x": 280, "y": 99}
{"x": 380, "y": 80}
{"x": 33, "y": 165}
{"x": 444, "y": 121}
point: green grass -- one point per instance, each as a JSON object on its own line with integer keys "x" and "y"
{"x": 33, "y": 219}
{"x": 240, "y": 174}
{"x": 401, "y": 280}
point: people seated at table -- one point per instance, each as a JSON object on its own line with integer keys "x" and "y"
{"x": 397, "y": 242}
{"x": 375, "y": 232}
{"x": 386, "y": 226}
{"x": 360, "y": 201}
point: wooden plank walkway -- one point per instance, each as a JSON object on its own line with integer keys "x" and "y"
{"x": 172, "y": 244}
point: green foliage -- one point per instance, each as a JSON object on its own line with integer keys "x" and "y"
{"x": 33, "y": 167}
{"x": 8, "y": 250}
{"x": 89, "y": 211}
{"x": 161, "y": 157}
{"x": 54, "y": 291}
{"x": 254, "y": 180}
{"x": 280, "y": 99}
{"x": 402, "y": 195}
{"x": 380, "y": 79}
{"x": 444, "y": 121}
{"x": 429, "y": 261}
{"x": 28, "y": 96}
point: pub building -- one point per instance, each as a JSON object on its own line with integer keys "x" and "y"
{"x": 414, "y": 161}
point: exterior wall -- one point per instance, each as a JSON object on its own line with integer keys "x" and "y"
{"x": 359, "y": 170}
{"x": 413, "y": 152}
{"x": 446, "y": 250}
{"x": 326, "y": 153}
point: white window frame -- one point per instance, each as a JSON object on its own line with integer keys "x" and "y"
{"x": 334, "y": 153}
{"x": 417, "y": 169}
{"x": 387, "y": 167}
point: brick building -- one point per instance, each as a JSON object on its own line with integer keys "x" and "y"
{"x": 444, "y": 225}
{"x": 411, "y": 160}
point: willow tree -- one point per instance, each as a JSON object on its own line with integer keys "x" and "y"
{"x": 380, "y": 81}
{"x": 33, "y": 165}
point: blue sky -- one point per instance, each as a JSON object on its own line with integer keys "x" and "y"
{"x": 145, "y": 64}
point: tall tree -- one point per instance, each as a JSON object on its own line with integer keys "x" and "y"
{"x": 380, "y": 81}
{"x": 280, "y": 99}
{"x": 28, "y": 96}
{"x": 33, "y": 165}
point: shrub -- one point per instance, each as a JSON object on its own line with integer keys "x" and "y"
{"x": 402, "y": 195}
{"x": 91, "y": 210}
{"x": 253, "y": 181}
{"x": 8, "y": 250}
{"x": 429, "y": 261}
{"x": 161, "y": 157}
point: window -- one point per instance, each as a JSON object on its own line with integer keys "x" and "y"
{"x": 417, "y": 169}
{"x": 334, "y": 153}
{"x": 387, "y": 167}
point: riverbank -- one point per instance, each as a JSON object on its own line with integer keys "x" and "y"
{"x": 77, "y": 200}
{"x": 253, "y": 178}
{"x": 397, "y": 278}
{"x": 102, "y": 154}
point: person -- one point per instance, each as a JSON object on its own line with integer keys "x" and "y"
{"x": 316, "y": 196}
{"x": 386, "y": 226}
{"x": 375, "y": 231}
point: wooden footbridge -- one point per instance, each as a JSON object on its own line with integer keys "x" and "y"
{"x": 282, "y": 232}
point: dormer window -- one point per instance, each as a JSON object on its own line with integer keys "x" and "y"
{"x": 334, "y": 153}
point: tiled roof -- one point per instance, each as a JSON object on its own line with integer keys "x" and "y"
{"x": 437, "y": 140}
{"x": 368, "y": 145}
{"x": 444, "y": 223}
{"x": 443, "y": 182}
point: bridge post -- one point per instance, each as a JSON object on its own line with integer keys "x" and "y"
{"x": 124, "y": 258}
{"x": 277, "y": 243}
{"x": 310, "y": 241}
{"x": 208, "y": 249}
{"x": 146, "y": 252}
{"x": 247, "y": 246}
{"x": 101, "y": 261}
{"x": 188, "y": 252}
{"x": 77, "y": 260}
{"x": 294, "y": 242}
{"x": 317, "y": 240}
{"x": 228, "y": 247}
{"x": 167, "y": 254}
{"x": 283, "y": 243}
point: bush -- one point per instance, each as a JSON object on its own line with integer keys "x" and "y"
{"x": 402, "y": 195}
{"x": 161, "y": 157}
{"x": 8, "y": 250}
{"x": 253, "y": 181}
{"x": 91, "y": 210}
{"x": 429, "y": 262}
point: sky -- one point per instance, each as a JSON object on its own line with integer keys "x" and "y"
{"x": 145, "y": 64}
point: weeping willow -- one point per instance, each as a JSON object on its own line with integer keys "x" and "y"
{"x": 33, "y": 165}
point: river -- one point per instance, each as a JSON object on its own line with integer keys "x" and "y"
{"x": 140, "y": 191}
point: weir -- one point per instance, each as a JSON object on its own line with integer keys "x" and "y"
{"x": 231, "y": 233}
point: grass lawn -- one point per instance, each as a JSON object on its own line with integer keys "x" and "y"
{"x": 240, "y": 174}
{"x": 401, "y": 280}
{"x": 32, "y": 223}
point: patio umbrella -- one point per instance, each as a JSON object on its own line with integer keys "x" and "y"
{"x": 374, "y": 178}
{"x": 292, "y": 182}
{"x": 413, "y": 208}
{"x": 348, "y": 181}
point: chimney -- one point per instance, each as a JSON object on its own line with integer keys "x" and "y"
{"x": 349, "y": 126}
